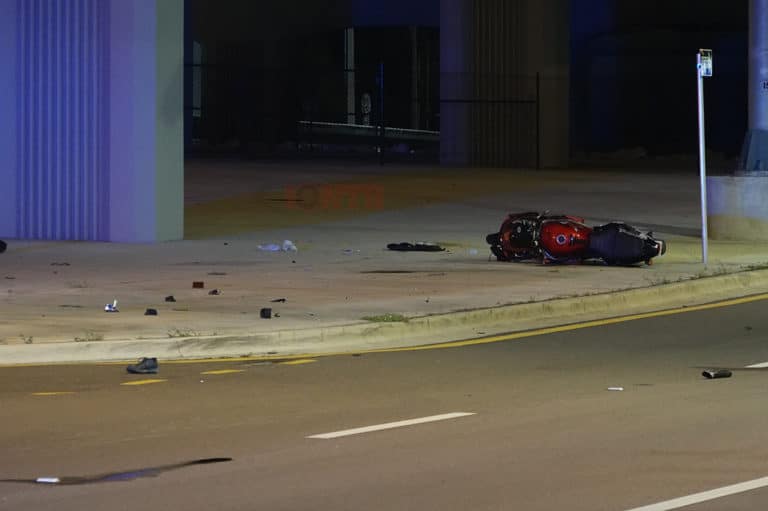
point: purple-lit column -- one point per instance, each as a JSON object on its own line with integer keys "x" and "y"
{"x": 755, "y": 153}
{"x": 7, "y": 117}
{"x": 736, "y": 204}
{"x": 146, "y": 158}
{"x": 91, "y": 119}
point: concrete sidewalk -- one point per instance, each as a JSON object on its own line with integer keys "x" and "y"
{"x": 342, "y": 283}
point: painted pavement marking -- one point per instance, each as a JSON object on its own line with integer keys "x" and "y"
{"x": 391, "y": 425}
{"x": 704, "y": 496}
{"x": 142, "y": 382}
{"x": 297, "y": 362}
{"x": 64, "y": 393}
{"x": 224, "y": 371}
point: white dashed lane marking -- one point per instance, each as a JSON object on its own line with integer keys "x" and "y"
{"x": 704, "y": 496}
{"x": 391, "y": 425}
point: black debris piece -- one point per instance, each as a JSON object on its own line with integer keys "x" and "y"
{"x": 146, "y": 365}
{"x": 266, "y": 313}
{"x": 60, "y": 264}
{"x": 415, "y": 247}
{"x": 198, "y": 284}
{"x": 170, "y": 298}
{"x": 716, "y": 373}
{"x": 214, "y": 292}
{"x": 3, "y": 246}
{"x": 278, "y": 300}
{"x": 150, "y": 312}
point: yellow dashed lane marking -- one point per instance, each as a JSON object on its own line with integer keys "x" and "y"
{"x": 51, "y": 393}
{"x": 142, "y": 382}
{"x": 224, "y": 371}
{"x": 298, "y": 362}
{"x": 303, "y": 358}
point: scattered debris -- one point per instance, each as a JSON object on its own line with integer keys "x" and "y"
{"x": 716, "y": 373}
{"x": 217, "y": 273}
{"x": 150, "y": 312}
{"x": 419, "y": 246}
{"x": 60, "y": 264}
{"x": 111, "y": 307}
{"x": 265, "y": 313}
{"x": 70, "y": 306}
{"x": 287, "y": 246}
{"x": 747, "y": 328}
{"x": 170, "y": 298}
{"x": 10, "y": 277}
{"x": 48, "y": 480}
{"x": 198, "y": 284}
{"x": 214, "y": 292}
{"x": 615, "y": 389}
{"x": 278, "y": 300}
{"x": 146, "y": 365}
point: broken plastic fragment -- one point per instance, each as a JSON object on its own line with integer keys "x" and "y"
{"x": 716, "y": 373}
{"x": 48, "y": 480}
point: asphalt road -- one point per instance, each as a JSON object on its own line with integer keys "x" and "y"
{"x": 544, "y": 434}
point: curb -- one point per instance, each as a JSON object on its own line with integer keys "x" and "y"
{"x": 361, "y": 336}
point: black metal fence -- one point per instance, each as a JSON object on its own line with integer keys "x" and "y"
{"x": 495, "y": 119}
{"x": 369, "y": 113}
{"x": 365, "y": 112}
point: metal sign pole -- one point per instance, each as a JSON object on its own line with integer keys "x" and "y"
{"x": 703, "y": 68}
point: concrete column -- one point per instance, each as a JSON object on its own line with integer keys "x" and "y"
{"x": 455, "y": 80}
{"x": 755, "y": 151}
{"x": 8, "y": 117}
{"x": 737, "y": 205}
{"x": 547, "y": 39}
{"x": 91, "y": 94}
{"x": 491, "y": 53}
{"x": 146, "y": 165}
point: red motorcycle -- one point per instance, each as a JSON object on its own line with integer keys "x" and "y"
{"x": 565, "y": 238}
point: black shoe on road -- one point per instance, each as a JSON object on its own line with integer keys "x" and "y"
{"x": 145, "y": 366}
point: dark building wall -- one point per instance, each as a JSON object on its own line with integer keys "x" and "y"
{"x": 634, "y": 78}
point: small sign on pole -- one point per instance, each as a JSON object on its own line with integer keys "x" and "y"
{"x": 706, "y": 62}
{"x": 703, "y": 69}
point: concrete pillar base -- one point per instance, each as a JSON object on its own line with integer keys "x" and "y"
{"x": 736, "y": 208}
{"x": 754, "y": 154}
